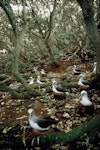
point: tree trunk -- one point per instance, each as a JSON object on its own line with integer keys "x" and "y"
{"x": 16, "y": 40}
{"x": 53, "y": 59}
{"x": 15, "y": 70}
{"x": 48, "y": 34}
{"x": 92, "y": 32}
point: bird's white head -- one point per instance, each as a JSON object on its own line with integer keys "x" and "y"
{"x": 11, "y": 86}
{"x": 54, "y": 82}
{"x": 30, "y": 110}
{"x": 38, "y": 77}
{"x": 81, "y": 75}
{"x": 75, "y": 66}
{"x": 83, "y": 92}
{"x": 42, "y": 71}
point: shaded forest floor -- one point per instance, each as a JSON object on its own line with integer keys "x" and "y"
{"x": 14, "y": 116}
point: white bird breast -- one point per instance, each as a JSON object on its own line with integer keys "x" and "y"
{"x": 31, "y": 81}
{"x": 85, "y": 101}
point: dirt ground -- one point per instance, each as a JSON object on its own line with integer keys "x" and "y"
{"x": 14, "y": 111}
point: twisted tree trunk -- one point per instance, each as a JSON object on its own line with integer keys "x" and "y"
{"x": 16, "y": 40}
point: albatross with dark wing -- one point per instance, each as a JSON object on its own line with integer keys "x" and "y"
{"x": 76, "y": 70}
{"x": 39, "y": 80}
{"x": 58, "y": 91}
{"x": 40, "y": 123}
{"x": 83, "y": 83}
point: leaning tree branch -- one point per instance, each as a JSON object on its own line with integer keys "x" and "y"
{"x": 9, "y": 14}
{"x": 51, "y": 20}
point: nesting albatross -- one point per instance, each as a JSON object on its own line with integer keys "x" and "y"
{"x": 40, "y": 123}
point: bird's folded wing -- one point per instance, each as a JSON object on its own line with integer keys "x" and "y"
{"x": 86, "y": 82}
{"x": 45, "y": 122}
